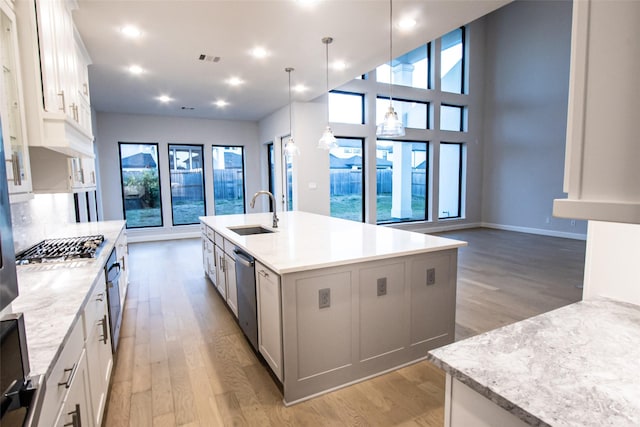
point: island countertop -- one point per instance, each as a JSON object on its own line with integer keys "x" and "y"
{"x": 575, "y": 366}
{"x": 306, "y": 241}
{"x": 52, "y": 295}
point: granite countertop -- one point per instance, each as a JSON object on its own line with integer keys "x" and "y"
{"x": 52, "y": 295}
{"x": 306, "y": 241}
{"x": 575, "y": 366}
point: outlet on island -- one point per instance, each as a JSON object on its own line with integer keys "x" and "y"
{"x": 324, "y": 298}
{"x": 382, "y": 286}
{"x": 431, "y": 276}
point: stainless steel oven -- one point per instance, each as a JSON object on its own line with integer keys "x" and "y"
{"x": 112, "y": 271}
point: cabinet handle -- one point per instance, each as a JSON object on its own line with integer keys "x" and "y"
{"x": 100, "y": 296}
{"x": 15, "y": 164}
{"x": 74, "y": 111}
{"x": 223, "y": 265}
{"x": 72, "y": 374}
{"x": 263, "y": 273}
{"x": 122, "y": 264}
{"x": 64, "y": 105}
{"x": 105, "y": 331}
{"x": 75, "y": 418}
{"x": 85, "y": 88}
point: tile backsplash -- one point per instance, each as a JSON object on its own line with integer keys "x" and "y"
{"x": 39, "y": 218}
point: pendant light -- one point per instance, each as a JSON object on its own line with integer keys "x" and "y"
{"x": 327, "y": 141}
{"x": 391, "y": 126}
{"x": 290, "y": 148}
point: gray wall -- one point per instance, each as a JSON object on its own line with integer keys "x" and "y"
{"x": 527, "y": 54}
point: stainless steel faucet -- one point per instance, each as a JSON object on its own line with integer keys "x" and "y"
{"x": 273, "y": 203}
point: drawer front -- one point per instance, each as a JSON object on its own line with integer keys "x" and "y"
{"x": 96, "y": 305}
{"x": 210, "y": 232}
{"x": 61, "y": 377}
{"x": 219, "y": 240}
{"x": 229, "y": 247}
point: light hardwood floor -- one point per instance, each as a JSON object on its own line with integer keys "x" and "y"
{"x": 183, "y": 361}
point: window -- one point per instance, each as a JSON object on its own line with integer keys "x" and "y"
{"x": 187, "y": 183}
{"x": 452, "y": 62}
{"x": 346, "y": 107}
{"x": 410, "y": 69}
{"x": 401, "y": 187}
{"x": 450, "y": 180}
{"x": 140, "y": 185}
{"x": 271, "y": 167}
{"x": 347, "y": 179}
{"x": 451, "y": 118}
{"x": 228, "y": 180}
{"x": 413, "y": 114}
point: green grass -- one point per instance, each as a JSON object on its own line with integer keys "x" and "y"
{"x": 145, "y": 217}
{"x": 347, "y": 207}
{"x": 383, "y": 202}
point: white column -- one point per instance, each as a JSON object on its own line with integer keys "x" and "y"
{"x": 401, "y": 190}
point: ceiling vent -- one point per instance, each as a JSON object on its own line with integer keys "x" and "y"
{"x": 188, "y": 108}
{"x": 208, "y": 58}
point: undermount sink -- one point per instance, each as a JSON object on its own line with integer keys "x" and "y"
{"x": 246, "y": 230}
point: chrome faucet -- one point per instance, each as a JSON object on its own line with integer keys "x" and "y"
{"x": 273, "y": 203}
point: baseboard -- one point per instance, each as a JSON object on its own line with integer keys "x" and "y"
{"x": 436, "y": 228}
{"x": 540, "y": 231}
{"x": 133, "y": 237}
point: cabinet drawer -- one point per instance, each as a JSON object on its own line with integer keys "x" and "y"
{"x": 209, "y": 232}
{"x": 219, "y": 240}
{"x": 229, "y": 247}
{"x": 61, "y": 377}
{"x": 96, "y": 305}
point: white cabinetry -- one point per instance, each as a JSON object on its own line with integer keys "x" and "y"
{"x": 219, "y": 265}
{"x": 122, "y": 253}
{"x": 221, "y": 271}
{"x": 12, "y": 109}
{"x": 232, "y": 288}
{"x": 601, "y": 162}
{"x": 54, "y": 172}
{"x": 76, "y": 410}
{"x": 269, "y": 317}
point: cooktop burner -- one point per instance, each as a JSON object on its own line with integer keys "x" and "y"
{"x": 54, "y": 250}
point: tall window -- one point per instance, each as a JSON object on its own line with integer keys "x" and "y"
{"x": 402, "y": 171}
{"x": 450, "y": 180}
{"x": 347, "y": 179}
{"x": 414, "y": 114}
{"x": 271, "y": 163}
{"x": 410, "y": 69}
{"x": 346, "y": 107}
{"x": 228, "y": 180}
{"x": 452, "y": 62}
{"x": 140, "y": 184}
{"x": 187, "y": 183}
{"x": 287, "y": 178}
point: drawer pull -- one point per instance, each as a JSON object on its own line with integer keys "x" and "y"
{"x": 105, "y": 331}
{"x": 72, "y": 374}
{"x": 263, "y": 273}
{"x": 75, "y": 418}
{"x": 100, "y": 296}
{"x": 64, "y": 104}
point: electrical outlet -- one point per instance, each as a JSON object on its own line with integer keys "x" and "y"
{"x": 324, "y": 298}
{"x": 573, "y": 222}
{"x": 382, "y": 286}
{"x": 431, "y": 276}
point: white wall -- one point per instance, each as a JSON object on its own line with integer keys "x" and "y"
{"x": 525, "y": 113}
{"x": 113, "y": 128}
{"x": 611, "y": 265}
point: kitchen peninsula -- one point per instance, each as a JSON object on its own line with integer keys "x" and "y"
{"x": 337, "y": 301}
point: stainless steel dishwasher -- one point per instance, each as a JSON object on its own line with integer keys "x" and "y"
{"x": 246, "y": 283}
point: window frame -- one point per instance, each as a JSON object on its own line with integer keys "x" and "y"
{"x": 124, "y": 208}
{"x": 362, "y": 104}
{"x": 244, "y": 178}
{"x": 427, "y": 105}
{"x": 426, "y": 186}
{"x": 429, "y": 84}
{"x": 362, "y": 171}
{"x": 462, "y": 114}
{"x": 463, "y": 62}
{"x": 204, "y": 190}
{"x": 460, "y": 173}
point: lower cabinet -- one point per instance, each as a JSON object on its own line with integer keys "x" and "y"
{"x": 77, "y": 410}
{"x": 269, "y": 318}
{"x": 232, "y": 288}
{"x": 221, "y": 275}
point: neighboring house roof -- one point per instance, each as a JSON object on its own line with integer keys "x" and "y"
{"x": 138, "y": 161}
{"x": 232, "y": 160}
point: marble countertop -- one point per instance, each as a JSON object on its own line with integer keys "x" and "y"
{"x": 306, "y": 241}
{"x": 575, "y": 366}
{"x": 52, "y": 295}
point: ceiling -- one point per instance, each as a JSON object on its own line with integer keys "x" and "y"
{"x": 176, "y": 32}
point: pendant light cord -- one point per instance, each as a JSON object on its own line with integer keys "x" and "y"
{"x": 289, "y": 70}
{"x": 390, "y": 52}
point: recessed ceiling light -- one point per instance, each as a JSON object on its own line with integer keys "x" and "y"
{"x": 305, "y": 2}
{"x": 407, "y": 23}
{"x": 130, "y": 31}
{"x": 164, "y": 99}
{"x": 300, "y": 88}
{"x": 136, "y": 69}
{"x": 235, "y": 81}
{"x": 259, "y": 52}
{"x": 220, "y": 103}
{"x": 339, "y": 65}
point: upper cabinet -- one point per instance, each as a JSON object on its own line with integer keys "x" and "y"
{"x": 55, "y": 76}
{"x": 12, "y": 111}
{"x": 601, "y": 164}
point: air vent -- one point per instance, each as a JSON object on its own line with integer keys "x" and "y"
{"x": 208, "y": 58}
{"x": 188, "y": 108}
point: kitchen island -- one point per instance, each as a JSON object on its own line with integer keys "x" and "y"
{"x": 575, "y": 366}
{"x": 338, "y": 301}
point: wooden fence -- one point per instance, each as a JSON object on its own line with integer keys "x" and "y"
{"x": 346, "y": 182}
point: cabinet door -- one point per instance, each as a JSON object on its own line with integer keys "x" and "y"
{"x": 88, "y": 166}
{"x": 50, "y": 27}
{"x": 77, "y": 410}
{"x": 269, "y": 318}
{"x": 221, "y": 282}
{"x": 232, "y": 290}
{"x": 122, "y": 252}
{"x": 12, "y": 110}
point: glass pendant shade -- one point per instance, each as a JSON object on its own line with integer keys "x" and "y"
{"x": 327, "y": 141}
{"x": 391, "y": 126}
{"x": 291, "y": 149}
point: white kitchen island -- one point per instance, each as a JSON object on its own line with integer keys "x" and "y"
{"x": 340, "y": 301}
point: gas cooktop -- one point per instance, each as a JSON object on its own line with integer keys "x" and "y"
{"x": 63, "y": 249}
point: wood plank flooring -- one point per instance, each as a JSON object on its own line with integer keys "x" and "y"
{"x": 183, "y": 361}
